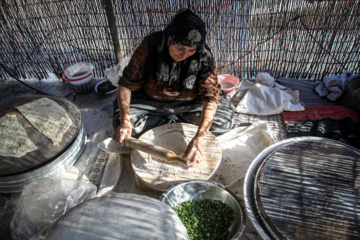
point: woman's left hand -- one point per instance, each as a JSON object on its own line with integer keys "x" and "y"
{"x": 193, "y": 151}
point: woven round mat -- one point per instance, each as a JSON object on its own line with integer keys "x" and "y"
{"x": 161, "y": 175}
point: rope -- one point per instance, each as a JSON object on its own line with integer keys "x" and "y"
{"x": 297, "y": 17}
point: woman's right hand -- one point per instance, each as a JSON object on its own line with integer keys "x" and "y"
{"x": 125, "y": 128}
{"x": 122, "y": 132}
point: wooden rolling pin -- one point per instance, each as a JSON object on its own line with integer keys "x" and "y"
{"x": 163, "y": 153}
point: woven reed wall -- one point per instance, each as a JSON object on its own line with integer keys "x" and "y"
{"x": 292, "y": 38}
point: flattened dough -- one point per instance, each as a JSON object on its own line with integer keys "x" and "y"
{"x": 160, "y": 175}
{"x": 48, "y": 117}
{"x": 14, "y": 141}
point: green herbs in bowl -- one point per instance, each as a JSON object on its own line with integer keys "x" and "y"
{"x": 105, "y": 87}
{"x": 206, "y": 219}
{"x": 212, "y": 201}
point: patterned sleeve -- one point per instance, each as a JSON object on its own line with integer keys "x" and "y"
{"x": 133, "y": 75}
{"x": 209, "y": 88}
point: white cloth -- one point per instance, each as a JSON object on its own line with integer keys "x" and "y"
{"x": 240, "y": 147}
{"x": 265, "y": 79}
{"x": 115, "y": 72}
{"x": 259, "y": 99}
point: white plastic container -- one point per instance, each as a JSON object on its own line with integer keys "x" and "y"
{"x": 81, "y": 76}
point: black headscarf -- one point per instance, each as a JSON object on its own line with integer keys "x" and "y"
{"x": 186, "y": 28}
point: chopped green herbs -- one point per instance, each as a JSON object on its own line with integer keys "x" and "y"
{"x": 207, "y": 219}
{"x": 105, "y": 87}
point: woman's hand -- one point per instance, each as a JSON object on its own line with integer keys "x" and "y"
{"x": 125, "y": 128}
{"x": 122, "y": 132}
{"x": 193, "y": 151}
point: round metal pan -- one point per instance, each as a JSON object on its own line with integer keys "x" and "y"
{"x": 305, "y": 188}
{"x": 46, "y": 151}
{"x": 57, "y": 166}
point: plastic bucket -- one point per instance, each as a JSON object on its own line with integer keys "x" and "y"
{"x": 81, "y": 76}
{"x": 228, "y": 82}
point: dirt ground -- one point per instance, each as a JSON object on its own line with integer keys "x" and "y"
{"x": 97, "y": 117}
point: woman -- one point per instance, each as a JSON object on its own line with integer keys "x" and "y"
{"x": 172, "y": 77}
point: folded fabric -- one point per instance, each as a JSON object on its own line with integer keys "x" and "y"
{"x": 336, "y": 122}
{"x": 259, "y": 99}
{"x": 332, "y": 86}
{"x": 319, "y": 113}
{"x": 344, "y": 130}
{"x": 320, "y": 89}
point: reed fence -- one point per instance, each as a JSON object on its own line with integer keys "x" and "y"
{"x": 286, "y": 38}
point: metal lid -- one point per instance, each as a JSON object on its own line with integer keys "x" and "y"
{"x": 119, "y": 216}
{"x": 308, "y": 188}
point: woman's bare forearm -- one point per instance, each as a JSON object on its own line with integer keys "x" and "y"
{"x": 193, "y": 151}
{"x": 124, "y": 96}
{"x": 125, "y": 128}
{"x": 206, "y": 119}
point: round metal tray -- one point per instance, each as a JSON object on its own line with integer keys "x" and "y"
{"x": 46, "y": 151}
{"x": 15, "y": 183}
{"x": 305, "y": 188}
{"x": 48, "y": 160}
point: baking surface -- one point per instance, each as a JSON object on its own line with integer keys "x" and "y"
{"x": 309, "y": 189}
{"x": 46, "y": 150}
{"x": 175, "y": 137}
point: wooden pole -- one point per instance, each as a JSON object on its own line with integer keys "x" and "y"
{"x": 113, "y": 28}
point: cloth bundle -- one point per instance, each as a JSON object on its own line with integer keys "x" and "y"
{"x": 332, "y": 87}
{"x": 264, "y": 97}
